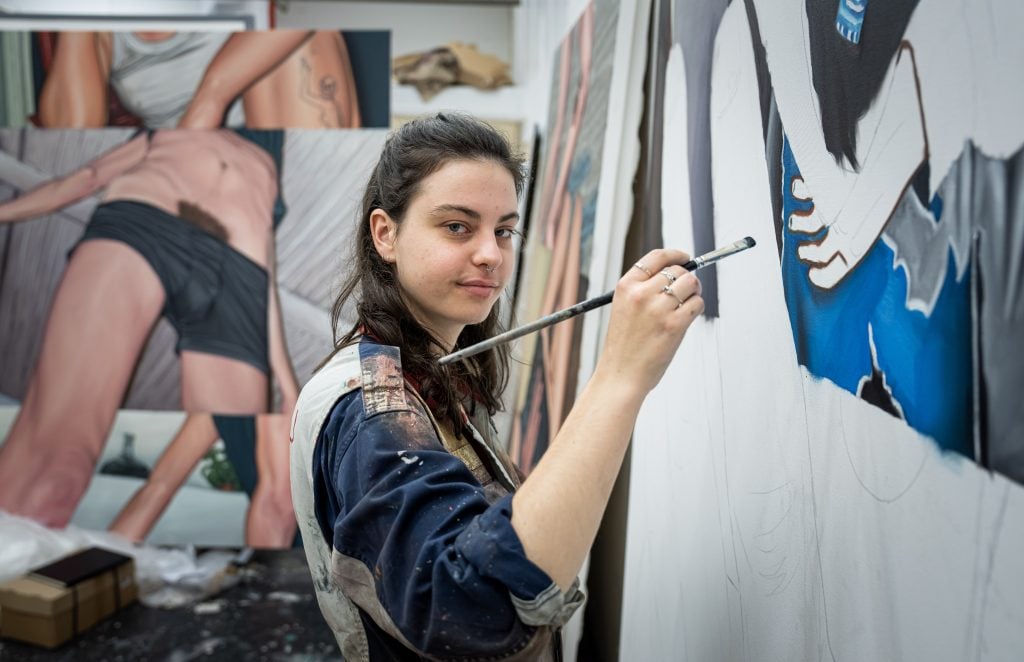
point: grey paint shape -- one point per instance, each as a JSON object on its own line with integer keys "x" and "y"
{"x": 919, "y": 243}
{"x": 694, "y": 26}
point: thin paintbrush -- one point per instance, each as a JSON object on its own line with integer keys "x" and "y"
{"x": 586, "y": 306}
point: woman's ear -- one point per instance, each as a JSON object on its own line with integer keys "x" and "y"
{"x": 383, "y": 229}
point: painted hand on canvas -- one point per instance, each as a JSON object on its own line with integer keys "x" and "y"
{"x": 863, "y": 335}
{"x": 846, "y": 205}
{"x": 856, "y": 257}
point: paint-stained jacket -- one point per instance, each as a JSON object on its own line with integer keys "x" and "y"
{"x": 407, "y": 528}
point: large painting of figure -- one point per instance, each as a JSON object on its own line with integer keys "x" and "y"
{"x": 200, "y": 80}
{"x": 110, "y": 233}
{"x": 162, "y": 270}
{"x": 179, "y": 225}
{"x": 842, "y": 445}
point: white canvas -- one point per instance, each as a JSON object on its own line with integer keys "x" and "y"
{"x": 774, "y": 515}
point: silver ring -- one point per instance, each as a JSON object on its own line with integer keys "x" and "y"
{"x": 666, "y": 274}
{"x": 644, "y": 269}
{"x": 668, "y": 290}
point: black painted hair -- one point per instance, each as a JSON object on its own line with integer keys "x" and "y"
{"x": 847, "y": 76}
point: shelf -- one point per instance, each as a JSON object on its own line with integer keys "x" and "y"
{"x": 504, "y": 103}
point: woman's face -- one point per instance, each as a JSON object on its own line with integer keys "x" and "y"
{"x": 453, "y": 252}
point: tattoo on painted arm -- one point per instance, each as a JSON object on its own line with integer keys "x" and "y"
{"x": 320, "y": 96}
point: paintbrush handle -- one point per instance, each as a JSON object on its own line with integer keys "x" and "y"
{"x": 584, "y": 306}
{"x": 536, "y": 325}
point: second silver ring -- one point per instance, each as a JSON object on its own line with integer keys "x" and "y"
{"x": 668, "y": 290}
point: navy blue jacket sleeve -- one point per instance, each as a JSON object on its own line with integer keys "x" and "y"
{"x": 447, "y": 567}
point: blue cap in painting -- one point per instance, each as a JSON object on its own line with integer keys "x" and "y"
{"x": 850, "y": 18}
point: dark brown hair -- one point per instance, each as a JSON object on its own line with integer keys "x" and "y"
{"x": 411, "y": 153}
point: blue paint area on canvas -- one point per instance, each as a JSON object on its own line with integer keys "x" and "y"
{"x": 850, "y": 19}
{"x": 587, "y": 229}
{"x": 579, "y": 171}
{"x": 935, "y": 206}
{"x": 925, "y": 359}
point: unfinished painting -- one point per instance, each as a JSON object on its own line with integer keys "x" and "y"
{"x": 842, "y": 446}
{"x": 911, "y": 261}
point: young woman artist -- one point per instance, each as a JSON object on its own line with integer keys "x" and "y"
{"x": 422, "y": 539}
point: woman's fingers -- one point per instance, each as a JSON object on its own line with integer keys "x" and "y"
{"x": 658, "y": 271}
{"x": 672, "y": 279}
{"x": 649, "y": 265}
{"x": 681, "y": 286}
{"x": 656, "y": 300}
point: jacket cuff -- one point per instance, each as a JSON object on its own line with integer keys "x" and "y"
{"x": 491, "y": 545}
{"x": 551, "y": 607}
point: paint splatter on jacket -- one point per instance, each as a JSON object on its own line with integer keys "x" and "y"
{"x": 407, "y": 527}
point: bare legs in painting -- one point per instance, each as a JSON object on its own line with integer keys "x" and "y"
{"x": 270, "y": 521}
{"x": 189, "y": 445}
{"x": 83, "y": 370}
{"x": 271, "y": 518}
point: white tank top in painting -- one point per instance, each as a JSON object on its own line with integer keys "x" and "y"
{"x": 156, "y": 80}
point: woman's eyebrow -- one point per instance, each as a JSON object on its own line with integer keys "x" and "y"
{"x": 443, "y": 209}
{"x": 440, "y": 210}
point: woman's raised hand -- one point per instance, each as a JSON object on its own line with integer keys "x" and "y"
{"x": 655, "y": 301}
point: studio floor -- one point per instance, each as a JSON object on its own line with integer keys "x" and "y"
{"x": 271, "y": 614}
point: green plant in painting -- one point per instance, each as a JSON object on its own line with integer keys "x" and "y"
{"x": 217, "y": 470}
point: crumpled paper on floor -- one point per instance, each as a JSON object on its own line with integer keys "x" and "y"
{"x": 454, "y": 63}
{"x": 167, "y": 577}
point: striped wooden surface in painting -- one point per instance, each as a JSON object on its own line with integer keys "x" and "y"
{"x": 325, "y": 175}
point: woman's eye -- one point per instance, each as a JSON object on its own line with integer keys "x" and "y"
{"x": 457, "y": 228}
{"x": 506, "y": 233}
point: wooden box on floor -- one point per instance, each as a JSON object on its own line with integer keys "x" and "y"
{"x": 53, "y": 603}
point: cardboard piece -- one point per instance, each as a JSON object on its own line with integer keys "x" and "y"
{"x": 53, "y": 603}
{"x": 454, "y": 63}
{"x": 480, "y": 70}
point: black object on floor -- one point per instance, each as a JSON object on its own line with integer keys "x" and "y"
{"x": 271, "y": 614}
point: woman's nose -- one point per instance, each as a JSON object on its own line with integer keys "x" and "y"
{"x": 488, "y": 253}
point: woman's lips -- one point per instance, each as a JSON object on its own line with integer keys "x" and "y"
{"x": 479, "y": 287}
